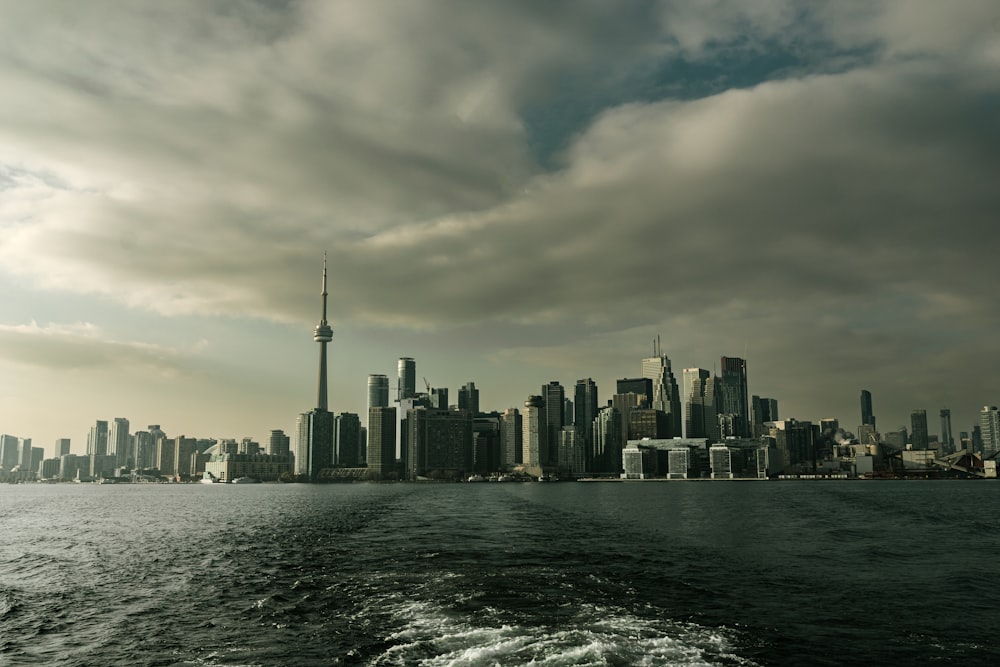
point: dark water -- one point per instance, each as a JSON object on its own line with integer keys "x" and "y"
{"x": 688, "y": 573}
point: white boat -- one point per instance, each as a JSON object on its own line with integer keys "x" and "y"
{"x": 246, "y": 480}
{"x": 209, "y": 478}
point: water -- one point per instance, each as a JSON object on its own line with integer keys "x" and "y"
{"x": 682, "y": 573}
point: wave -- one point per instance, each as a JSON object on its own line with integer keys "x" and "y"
{"x": 596, "y": 635}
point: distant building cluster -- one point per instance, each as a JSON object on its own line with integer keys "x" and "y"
{"x": 648, "y": 429}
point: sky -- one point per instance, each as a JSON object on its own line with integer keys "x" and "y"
{"x": 510, "y": 193}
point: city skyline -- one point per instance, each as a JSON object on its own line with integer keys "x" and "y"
{"x": 810, "y": 189}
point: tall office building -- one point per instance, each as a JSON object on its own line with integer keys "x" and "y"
{"x": 534, "y": 436}
{"x": 381, "y": 455}
{"x": 468, "y": 398}
{"x": 585, "y": 409}
{"x": 989, "y": 430}
{"x": 278, "y": 444}
{"x": 511, "y": 438}
{"x": 554, "y": 395}
{"x": 439, "y": 398}
{"x": 378, "y": 391}
{"x": 608, "y": 442}
{"x": 119, "y": 442}
{"x": 867, "y": 416}
{"x": 9, "y": 458}
{"x": 947, "y": 439}
{"x": 406, "y": 378}
{"x": 762, "y": 411}
{"x": 666, "y": 396}
{"x": 733, "y": 389}
{"x": 700, "y": 407}
{"x": 97, "y": 439}
{"x": 439, "y": 442}
{"x": 641, "y": 387}
{"x": 347, "y": 440}
{"x": 62, "y": 447}
{"x": 918, "y": 429}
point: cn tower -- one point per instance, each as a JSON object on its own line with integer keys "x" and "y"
{"x": 323, "y": 334}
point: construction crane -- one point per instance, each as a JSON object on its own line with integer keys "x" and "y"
{"x": 428, "y": 385}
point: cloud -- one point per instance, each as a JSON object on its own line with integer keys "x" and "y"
{"x": 82, "y": 346}
{"x": 194, "y": 159}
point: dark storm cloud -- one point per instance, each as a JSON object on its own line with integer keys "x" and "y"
{"x": 198, "y": 158}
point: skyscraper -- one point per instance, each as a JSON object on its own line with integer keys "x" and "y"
{"x": 534, "y": 435}
{"x": 947, "y": 439}
{"x": 989, "y": 428}
{"x": 378, "y": 391}
{"x": 119, "y": 442}
{"x": 97, "y": 439}
{"x": 511, "y": 438}
{"x": 641, "y": 387}
{"x": 381, "y": 454}
{"x": 867, "y": 417}
{"x": 918, "y": 429}
{"x": 733, "y": 389}
{"x": 585, "y": 409}
{"x": 554, "y": 395}
{"x": 62, "y": 447}
{"x": 347, "y": 440}
{"x": 700, "y": 407}
{"x": 468, "y": 398}
{"x": 406, "y": 378}
{"x": 666, "y": 397}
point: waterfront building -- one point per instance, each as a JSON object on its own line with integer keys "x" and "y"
{"x": 261, "y": 467}
{"x": 867, "y": 417}
{"x": 608, "y": 441}
{"x": 486, "y": 443}
{"x": 9, "y": 454}
{"x": 534, "y": 435}
{"x": 721, "y": 462}
{"x": 278, "y": 444}
{"x": 440, "y": 443}
{"x": 554, "y": 396}
{"x": 24, "y": 453}
{"x": 918, "y": 434}
{"x": 416, "y": 401}
{"x": 49, "y": 469}
{"x": 72, "y": 465}
{"x": 406, "y": 378}
{"x": 511, "y": 438}
{"x": 347, "y": 440}
{"x": 119, "y": 442}
{"x": 795, "y": 442}
{"x": 468, "y": 398}
{"x": 733, "y": 389}
{"x": 62, "y": 447}
{"x": 97, "y": 439}
{"x": 381, "y": 456}
{"x": 665, "y": 395}
{"x": 638, "y": 461}
{"x": 572, "y": 456}
{"x": 947, "y": 439}
{"x": 584, "y": 411}
{"x": 989, "y": 430}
